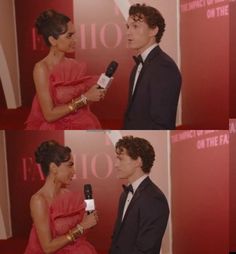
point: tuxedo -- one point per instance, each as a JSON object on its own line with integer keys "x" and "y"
{"x": 144, "y": 222}
{"x": 153, "y": 104}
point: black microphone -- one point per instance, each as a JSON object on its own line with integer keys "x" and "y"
{"x": 106, "y": 78}
{"x": 88, "y": 194}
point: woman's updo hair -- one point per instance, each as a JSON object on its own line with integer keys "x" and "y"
{"x": 51, "y": 151}
{"x": 51, "y": 23}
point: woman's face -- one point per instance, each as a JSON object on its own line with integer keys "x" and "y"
{"x": 65, "y": 172}
{"x": 66, "y": 41}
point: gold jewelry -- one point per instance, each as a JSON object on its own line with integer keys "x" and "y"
{"x": 73, "y": 236}
{"x": 69, "y": 237}
{"x": 71, "y": 108}
{"x": 80, "y": 102}
{"x": 80, "y": 229}
{"x": 84, "y": 99}
{"x": 77, "y": 103}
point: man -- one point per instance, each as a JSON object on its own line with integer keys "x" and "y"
{"x": 143, "y": 209}
{"x": 155, "y": 81}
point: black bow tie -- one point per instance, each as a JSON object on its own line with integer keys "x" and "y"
{"x": 128, "y": 188}
{"x": 138, "y": 59}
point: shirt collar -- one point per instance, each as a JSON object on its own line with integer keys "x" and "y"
{"x": 136, "y": 183}
{"x": 147, "y": 51}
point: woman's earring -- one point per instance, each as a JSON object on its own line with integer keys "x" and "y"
{"x": 55, "y": 178}
{"x": 54, "y": 52}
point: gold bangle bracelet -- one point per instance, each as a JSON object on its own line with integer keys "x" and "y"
{"x": 71, "y": 108}
{"x": 77, "y": 103}
{"x": 69, "y": 237}
{"x": 72, "y": 235}
{"x": 84, "y": 98}
{"x": 80, "y": 229}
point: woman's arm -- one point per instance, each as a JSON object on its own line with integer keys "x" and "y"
{"x": 52, "y": 113}
{"x": 40, "y": 215}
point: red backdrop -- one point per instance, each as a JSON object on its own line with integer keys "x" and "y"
{"x": 232, "y": 59}
{"x": 232, "y": 178}
{"x": 205, "y": 64}
{"x": 32, "y": 50}
{"x": 200, "y": 186}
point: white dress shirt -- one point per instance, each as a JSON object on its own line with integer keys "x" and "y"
{"x": 130, "y": 195}
{"x": 140, "y": 66}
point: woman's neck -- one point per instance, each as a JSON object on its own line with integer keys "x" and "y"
{"x": 51, "y": 189}
{"x": 54, "y": 57}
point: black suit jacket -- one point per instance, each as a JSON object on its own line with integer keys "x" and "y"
{"x": 144, "y": 223}
{"x": 154, "y": 102}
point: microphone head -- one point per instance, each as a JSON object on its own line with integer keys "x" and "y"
{"x": 88, "y": 191}
{"x": 111, "y": 69}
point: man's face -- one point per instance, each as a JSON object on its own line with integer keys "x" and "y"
{"x": 139, "y": 35}
{"x": 126, "y": 166}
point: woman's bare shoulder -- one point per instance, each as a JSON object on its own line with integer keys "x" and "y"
{"x": 38, "y": 200}
{"x": 41, "y": 66}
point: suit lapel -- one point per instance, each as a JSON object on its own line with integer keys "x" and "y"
{"x": 122, "y": 204}
{"x": 131, "y": 83}
{"x": 154, "y": 53}
{"x": 120, "y": 213}
{"x": 145, "y": 65}
{"x": 136, "y": 196}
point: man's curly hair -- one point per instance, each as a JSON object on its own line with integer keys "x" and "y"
{"x": 151, "y": 16}
{"x": 137, "y": 147}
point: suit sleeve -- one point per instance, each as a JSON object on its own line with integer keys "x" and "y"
{"x": 152, "y": 223}
{"x": 164, "y": 89}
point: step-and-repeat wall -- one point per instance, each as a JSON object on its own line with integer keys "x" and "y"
{"x": 200, "y": 191}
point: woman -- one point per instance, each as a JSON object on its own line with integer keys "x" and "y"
{"x": 59, "y": 218}
{"x": 63, "y": 92}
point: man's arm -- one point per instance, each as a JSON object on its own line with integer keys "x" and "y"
{"x": 164, "y": 93}
{"x": 152, "y": 225}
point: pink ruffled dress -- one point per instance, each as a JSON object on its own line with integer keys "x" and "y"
{"x": 66, "y": 212}
{"x": 67, "y": 81}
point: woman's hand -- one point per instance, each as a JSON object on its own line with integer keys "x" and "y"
{"x": 89, "y": 220}
{"x": 95, "y": 94}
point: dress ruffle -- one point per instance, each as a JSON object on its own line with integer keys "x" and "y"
{"x": 67, "y": 81}
{"x": 66, "y": 211}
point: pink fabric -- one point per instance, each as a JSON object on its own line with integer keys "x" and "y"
{"x": 67, "y": 81}
{"x": 65, "y": 213}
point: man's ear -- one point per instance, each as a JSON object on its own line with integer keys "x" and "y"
{"x": 52, "y": 40}
{"x": 140, "y": 162}
{"x": 154, "y": 31}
